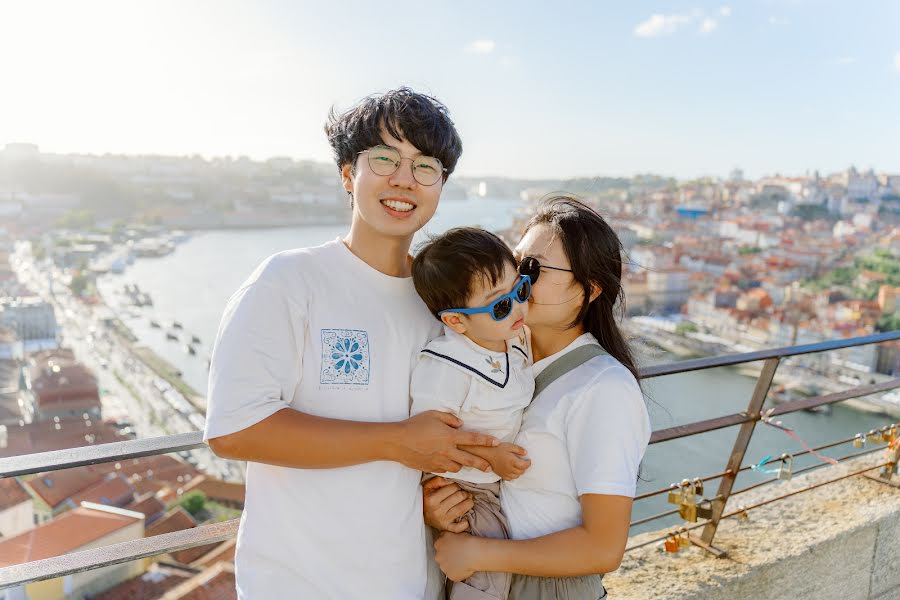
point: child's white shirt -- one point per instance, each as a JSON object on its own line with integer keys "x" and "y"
{"x": 488, "y": 390}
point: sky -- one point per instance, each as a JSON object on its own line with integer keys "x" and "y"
{"x": 536, "y": 89}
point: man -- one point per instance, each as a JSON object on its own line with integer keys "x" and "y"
{"x": 309, "y": 380}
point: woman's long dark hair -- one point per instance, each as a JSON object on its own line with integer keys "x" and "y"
{"x": 595, "y": 255}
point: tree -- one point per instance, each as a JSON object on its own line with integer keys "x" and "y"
{"x": 193, "y": 502}
{"x": 77, "y": 219}
{"x": 685, "y": 327}
{"x": 79, "y": 283}
{"x": 888, "y": 322}
{"x": 810, "y": 212}
{"x": 38, "y": 250}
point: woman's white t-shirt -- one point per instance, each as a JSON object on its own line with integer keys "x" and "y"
{"x": 585, "y": 433}
{"x": 319, "y": 331}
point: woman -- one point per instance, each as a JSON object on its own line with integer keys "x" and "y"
{"x": 585, "y": 432}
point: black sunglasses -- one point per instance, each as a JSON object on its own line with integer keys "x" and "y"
{"x": 532, "y": 267}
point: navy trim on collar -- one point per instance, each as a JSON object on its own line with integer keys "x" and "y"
{"x": 474, "y": 370}
{"x": 520, "y": 350}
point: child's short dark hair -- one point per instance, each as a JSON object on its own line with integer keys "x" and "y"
{"x": 446, "y": 266}
{"x": 421, "y": 120}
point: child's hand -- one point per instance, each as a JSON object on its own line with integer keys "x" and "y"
{"x": 508, "y": 461}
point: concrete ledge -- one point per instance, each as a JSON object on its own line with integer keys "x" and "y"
{"x": 838, "y": 541}
{"x": 886, "y": 575}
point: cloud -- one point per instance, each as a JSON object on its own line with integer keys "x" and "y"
{"x": 779, "y": 21}
{"x": 481, "y": 47}
{"x": 845, "y": 60}
{"x": 708, "y": 25}
{"x": 897, "y": 61}
{"x": 661, "y": 25}
{"x": 509, "y": 61}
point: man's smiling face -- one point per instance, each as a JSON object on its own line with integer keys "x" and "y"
{"x": 394, "y": 205}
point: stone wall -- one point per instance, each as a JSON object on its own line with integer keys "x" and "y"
{"x": 838, "y": 541}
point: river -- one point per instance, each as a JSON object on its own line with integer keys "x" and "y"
{"x": 192, "y": 285}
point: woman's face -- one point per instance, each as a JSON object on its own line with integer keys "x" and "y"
{"x": 556, "y": 297}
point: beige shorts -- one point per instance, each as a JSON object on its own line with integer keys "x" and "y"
{"x": 485, "y": 520}
{"x": 525, "y": 587}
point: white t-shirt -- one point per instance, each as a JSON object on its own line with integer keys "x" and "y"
{"x": 319, "y": 331}
{"x": 487, "y": 390}
{"x": 586, "y": 433}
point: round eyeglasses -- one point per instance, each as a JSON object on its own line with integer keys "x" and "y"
{"x": 385, "y": 160}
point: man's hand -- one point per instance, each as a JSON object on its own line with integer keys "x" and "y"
{"x": 444, "y": 503}
{"x": 430, "y": 442}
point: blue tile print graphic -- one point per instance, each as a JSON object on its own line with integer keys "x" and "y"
{"x": 345, "y": 357}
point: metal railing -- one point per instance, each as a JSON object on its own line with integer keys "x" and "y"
{"x": 209, "y": 533}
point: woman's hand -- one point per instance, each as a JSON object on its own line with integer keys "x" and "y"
{"x": 443, "y": 503}
{"x": 457, "y": 554}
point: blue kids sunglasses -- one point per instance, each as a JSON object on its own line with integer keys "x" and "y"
{"x": 501, "y": 307}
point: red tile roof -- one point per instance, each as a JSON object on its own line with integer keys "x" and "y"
{"x": 151, "y": 585}
{"x": 44, "y": 436}
{"x": 175, "y": 520}
{"x": 112, "y": 491}
{"x": 152, "y": 473}
{"x": 148, "y": 504}
{"x": 216, "y": 489}
{"x": 12, "y": 494}
{"x": 58, "y": 354}
{"x": 55, "y": 486}
{"x": 223, "y": 553}
{"x": 216, "y": 583}
{"x": 157, "y": 488}
{"x": 66, "y": 533}
{"x": 192, "y": 555}
{"x": 57, "y": 383}
{"x": 161, "y": 468}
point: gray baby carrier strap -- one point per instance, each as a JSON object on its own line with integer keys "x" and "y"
{"x": 565, "y": 363}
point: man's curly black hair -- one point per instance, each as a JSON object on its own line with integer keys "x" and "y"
{"x": 407, "y": 115}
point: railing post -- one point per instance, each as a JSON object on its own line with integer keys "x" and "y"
{"x": 740, "y": 447}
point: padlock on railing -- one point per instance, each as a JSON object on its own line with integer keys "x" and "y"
{"x": 704, "y": 512}
{"x": 676, "y": 494}
{"x": 859, "y": 441}
{"x": 698, "y": 486}
{"x": 892, "y": 458}
{"x": 786, "y": 470}
{"x": 684, "y": 538}
{"x": 688, "y": 511}
{"x": 689, "y": 490}
{"x": 685, "y": 497}
{"x": 680, "y": 493}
